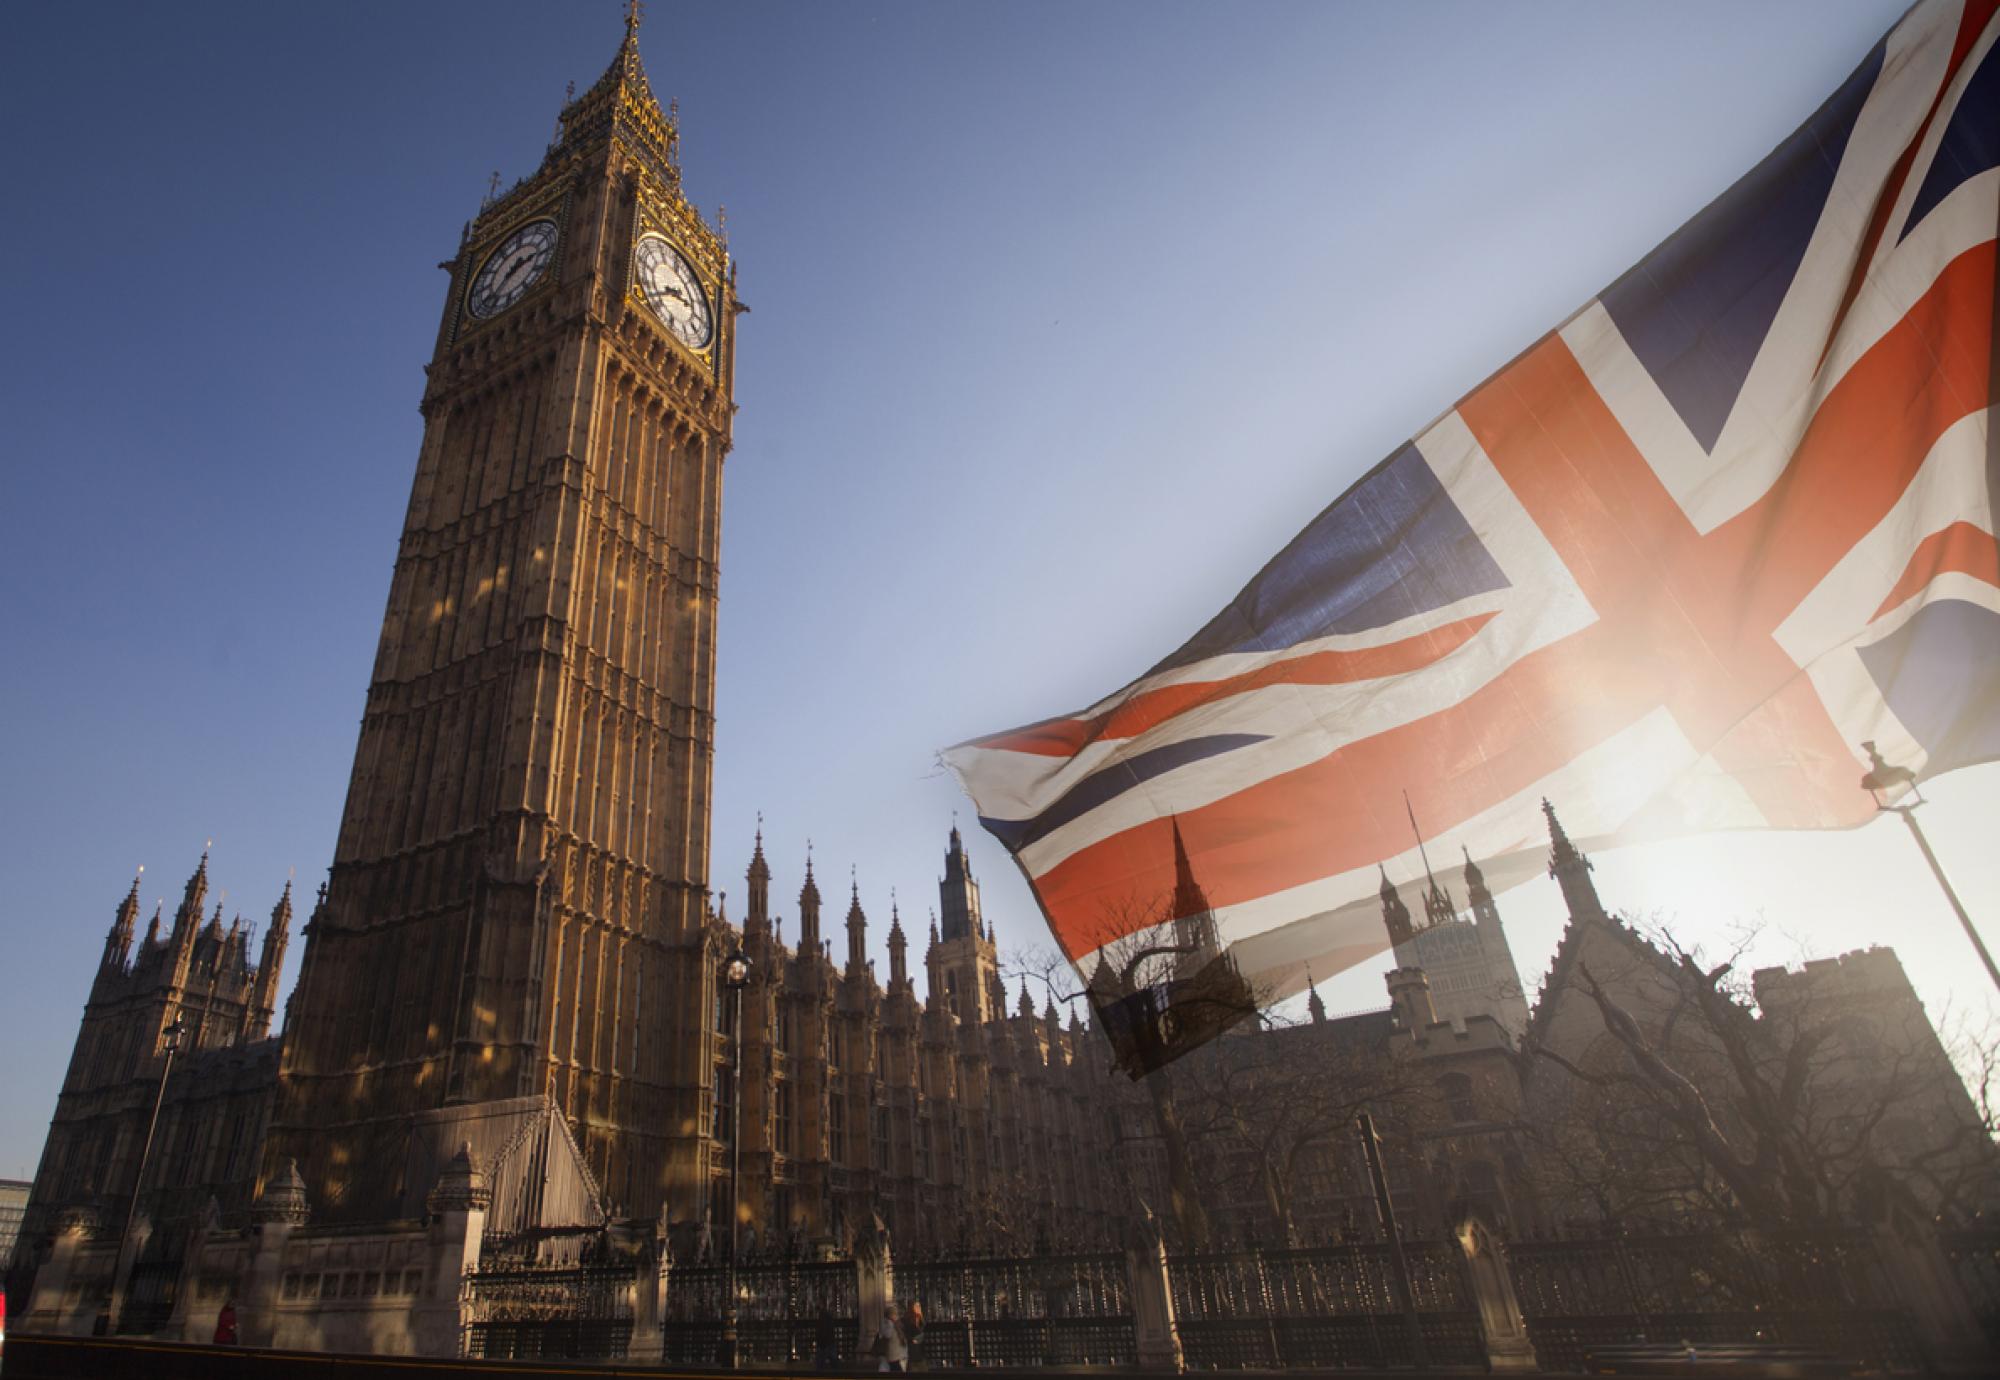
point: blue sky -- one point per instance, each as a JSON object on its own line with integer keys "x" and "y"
{"x": 1063, "y": 319}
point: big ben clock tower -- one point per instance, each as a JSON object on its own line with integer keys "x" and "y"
{"x": 516, "y": 908}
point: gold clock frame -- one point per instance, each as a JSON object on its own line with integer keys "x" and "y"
{"x": 553, "y": 208}
{"x": 662, "y": 211}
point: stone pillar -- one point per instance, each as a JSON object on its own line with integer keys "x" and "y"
{"x": 649, "y": 1299}
{"x": 458, "y": 1220}
{"x": 1153, "y": 1326}
{"x": 46, "y": 1304}
{"x": 1501, "y": 1326}
{"x": 137, "y": 1235}
{"x": 280, "y": 1210}
{"x": 874, "y": 1280}
{"x": 1906, "y": 1241}
{"x": 185, "y": 1323}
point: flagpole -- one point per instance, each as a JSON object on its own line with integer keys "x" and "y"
{"x": 1882, "y": 778}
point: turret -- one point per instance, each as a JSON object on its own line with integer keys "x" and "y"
{"x": 899, "y": 950}
{"x": 958, "y": 894}
{"x": 758, "y": 918}
{"x": 809, "y": 911}
{"x": 1193, "y": 916}
{"x": 1395, "y": 915}
{"x": 118, "y": 944}
{"x": 857, "y": 932}
{"x": 1572, "y": 870}
{"x": 264, "y": 995}
{"x": 1314, "y": 1006}
{"x": 1484, "y": 910}
{"x": 1410, "y": 995}
{"x": 187, "y": 920}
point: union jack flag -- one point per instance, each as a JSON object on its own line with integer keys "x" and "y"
{"x": 1671, "y": 566}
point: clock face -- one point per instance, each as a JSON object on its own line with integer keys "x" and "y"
{"x": 522, "y": 258}
{"x": 673, "y": 290}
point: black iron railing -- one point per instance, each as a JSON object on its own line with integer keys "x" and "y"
{"x": 1322, "y": 1306}
{"x": 1828, "y": 1290}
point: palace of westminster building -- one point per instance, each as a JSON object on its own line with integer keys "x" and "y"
{"x": 511, "y": 973}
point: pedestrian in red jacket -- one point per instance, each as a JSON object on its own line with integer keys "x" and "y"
{"x": 225, "y": 1324}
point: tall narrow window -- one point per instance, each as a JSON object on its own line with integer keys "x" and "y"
{"x": 725, "y": 1100}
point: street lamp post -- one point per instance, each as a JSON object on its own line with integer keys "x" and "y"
{"x": 1399, "y": 1263}
{"x": 170, "y": 1038}
{"x": 1882, "y": 782}
{"x": 735, "y": 977}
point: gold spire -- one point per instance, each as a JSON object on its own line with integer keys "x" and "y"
{"x": 621, "y": 104}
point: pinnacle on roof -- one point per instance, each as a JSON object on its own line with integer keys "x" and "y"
{"x": 1313, "y": 1004}
{"x": 811, "y": 888}
{"x": 1189, "y": 898}
{"x": 1438, "y": 909}
{"x": 760, "y": 870}
{"x": 197, "y": 885}
{"x": 128, "y": 909}
{"x": 1571, "y": 869}
{"x": 1561, "y": 850}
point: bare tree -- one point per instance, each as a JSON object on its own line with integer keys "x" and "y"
{"x": 1700, "y": 1099}
{"x": 1263, "y": 1104}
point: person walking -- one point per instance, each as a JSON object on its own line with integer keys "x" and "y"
{"x": 890, "y": 1347}
{"x": 913, "y": 1334}
{"x": 225, "y": 1324}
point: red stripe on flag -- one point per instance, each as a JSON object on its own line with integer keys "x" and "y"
{"x": 1067, "y": 737}
{"x": 1961, "y": 547}
{"x": 1684, "y": 622}
{"x": 1971, "y": 24}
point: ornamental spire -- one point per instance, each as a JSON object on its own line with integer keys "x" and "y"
{"x": 1572, "y": 870}
{"x": 899, "y": 947}
{"x": 118, "y": 945}
{"x": 809, "y": 909}
{"x": 758, "y": 876}
{"x": 857, "y": 927}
